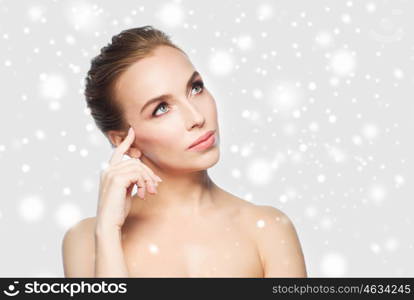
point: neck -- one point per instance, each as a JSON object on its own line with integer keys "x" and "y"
{"x": 187, "y": 194}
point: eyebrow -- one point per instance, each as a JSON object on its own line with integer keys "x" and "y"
{"x": 168, "y": 96}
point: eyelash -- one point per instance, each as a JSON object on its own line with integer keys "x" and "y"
{"x": 198, "y": 83}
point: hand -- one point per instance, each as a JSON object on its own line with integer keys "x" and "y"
{"x": 117, "y": 182}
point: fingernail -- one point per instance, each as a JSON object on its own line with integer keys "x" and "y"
{"x": 159, "y": 178}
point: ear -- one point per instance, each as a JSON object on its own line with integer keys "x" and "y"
{"x": 134, "y": 152}
{"x": 117, "y": 137}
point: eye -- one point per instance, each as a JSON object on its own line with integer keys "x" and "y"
{"x": 200, "y": 84}
{"x": 197, "y": 83}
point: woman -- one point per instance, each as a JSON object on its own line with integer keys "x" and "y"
{"x": 150, "y": 102}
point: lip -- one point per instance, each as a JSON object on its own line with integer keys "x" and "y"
{"x": 202, "y": 139}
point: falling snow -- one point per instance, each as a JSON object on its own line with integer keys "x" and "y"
{"x": 260, "y": 223}
{"x": 67, "y": 214}
{"x": 313, "y": 107}
{"x": 153, "y": 248}
{"x": 333, "y": 265}
{"x": 31, "y": 208}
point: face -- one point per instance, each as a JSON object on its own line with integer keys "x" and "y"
{"x": 166, "y": 127}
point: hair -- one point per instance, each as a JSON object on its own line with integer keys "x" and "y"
{"x": 126, "y": 48}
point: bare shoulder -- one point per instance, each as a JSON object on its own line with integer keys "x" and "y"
{"x": 83, "y": 228}
{"x": 275, "y": 237}
{"x": 277, "y": 241}
{"x": 256, "y": 218}
{"x": 250, "y": 212}
{"x": 252, "y": 215}
{"x": 265, "y": 214}
{"x": 78, "y": 249}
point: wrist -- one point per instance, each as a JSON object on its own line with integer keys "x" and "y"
{"x": 106, "y": 229}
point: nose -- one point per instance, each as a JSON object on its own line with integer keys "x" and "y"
{"x": 192, "y": 116}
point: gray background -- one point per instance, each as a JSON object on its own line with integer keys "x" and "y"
{"x": 315, "y": 110}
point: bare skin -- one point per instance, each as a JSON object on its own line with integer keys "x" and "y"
{"x": 226, "y": 242}
{"x": 190, "y": 227}
{"x": 215, "y": 243}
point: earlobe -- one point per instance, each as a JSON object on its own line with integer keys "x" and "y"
{"x": 134, "y": 153}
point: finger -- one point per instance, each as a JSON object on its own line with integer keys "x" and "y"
{"x": 141, "y": 190}
{"x": 127, "y": 164}
{"x": 129, "y": 190}
{"x": 141, "y": 187}
{"x": 135, "y": 178}
{"x": 145, "y": 169}
{"x": 137, "y": 161}
{"x": 122, "y": 147}
{"x": 150, "y": 186}
{"x": 155, "y": 177}
{"x": 137, "y": 166}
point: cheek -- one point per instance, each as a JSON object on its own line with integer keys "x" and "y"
{"x": 161, "y": 138}
{"x": 165, "y": 138}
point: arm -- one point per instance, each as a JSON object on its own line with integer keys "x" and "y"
{"x": 91, "y": 251}
{"x": 279, "y": 244}
{"x": 110, "y": 260}
{"x": 78, "y": 250}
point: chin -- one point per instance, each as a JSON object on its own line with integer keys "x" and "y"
{"x": 200, "y": 161}
{"x": 204, "y": 160}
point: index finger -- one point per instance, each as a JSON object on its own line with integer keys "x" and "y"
{"x": 122, "y": 147}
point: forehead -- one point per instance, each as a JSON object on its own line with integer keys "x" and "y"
{"x": 165, "y": 71}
